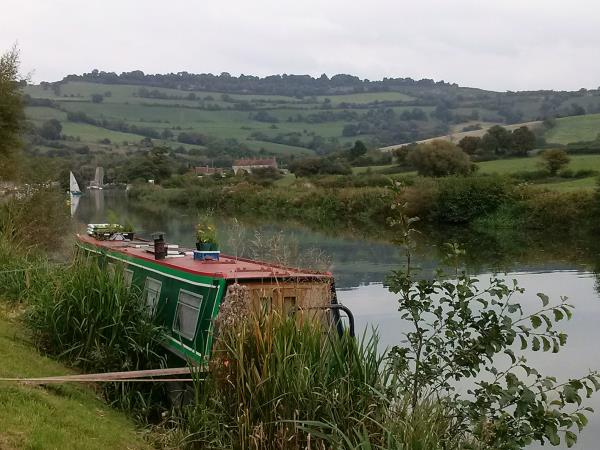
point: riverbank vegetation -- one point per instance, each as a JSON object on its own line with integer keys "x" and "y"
{"x": 274, "y": 384}
{"x": 278, "y": 383}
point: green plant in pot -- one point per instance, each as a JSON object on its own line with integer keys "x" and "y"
{"x": 206, "y": 238}
{"x": 128, "y": 230}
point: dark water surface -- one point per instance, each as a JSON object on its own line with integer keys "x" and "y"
{"x": 554, "y": 265}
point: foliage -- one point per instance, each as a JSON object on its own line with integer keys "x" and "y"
{"x": 440, "y": 158}
{"x": 206, "y": 232}
{"x": 12, "y": 117}
{"x": 470, "y": 144}
{"x": 319, "y": 166}
{"x": 89, "y": 317}
{"x": 38, "y": 220}
{"x": 462, "y": 331}
{"x": 523, "y": 140}
{"x": 276, "y": 383}
{"x": 358, "y": 149}
{"x": 555, "y": 159}
{"x": 51, "y": 129}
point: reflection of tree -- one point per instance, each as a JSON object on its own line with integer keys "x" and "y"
{"x": 359, "y": 259}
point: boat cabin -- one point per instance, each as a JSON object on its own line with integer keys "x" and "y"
{"x": 186, "y": 289}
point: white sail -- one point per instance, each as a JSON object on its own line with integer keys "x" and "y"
{"x": 73, "y": 186}
{"x": 74, "y": 204}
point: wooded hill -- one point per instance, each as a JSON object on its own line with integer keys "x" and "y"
{"x": 211, "y": 119}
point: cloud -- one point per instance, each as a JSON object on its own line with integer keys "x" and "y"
{"x": 501, "y": 45}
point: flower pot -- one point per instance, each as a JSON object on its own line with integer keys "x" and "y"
{"x": 203, "y": 246}
{"x": 214, "y": 246}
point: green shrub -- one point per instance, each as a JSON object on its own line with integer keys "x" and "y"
{"x": 462, "y": 199}
{"x": 565, "y": 210}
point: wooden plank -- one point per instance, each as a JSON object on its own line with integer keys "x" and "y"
{"x": 126, "y": 376}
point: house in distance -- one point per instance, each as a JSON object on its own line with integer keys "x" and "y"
{"x": 248, "y": 165}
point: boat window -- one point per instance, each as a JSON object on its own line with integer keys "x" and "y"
{"x": 152, "y": 292}
{"x": 186, "y": 315}
{"x": 289, "y": 305}
{"x": 128, "y": 277}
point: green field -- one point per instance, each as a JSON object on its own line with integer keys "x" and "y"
{"x": 54, "y": 416}
{"x": 586, "y": 184}
{"x": 233, "y": 116}
{"x": 507, "y": 166}
{"x": 573, "y": 129}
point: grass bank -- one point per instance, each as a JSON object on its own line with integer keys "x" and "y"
{"x": 55, "y": 416}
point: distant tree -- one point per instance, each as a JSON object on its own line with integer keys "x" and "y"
{"x": 497, "y": 141}
{"x": 549, "y": 123}
{"x": 555, "y": 159}
{"x": 12, "y": 117}
{"x": 97, "y": 98}
{"x": 51, "y": 129}
{"x": 401, "y": 154}
{"x": 357, "y": 150}
{"x": 523, "y": 140}
{"x": 470, "y": 144}
{"x": 350, "y": 129}
{"x": 577, "y": 110}
{"x": 166, "y": 134}
{"x": 440, "y": 158}
{"x": 319, "y": 166}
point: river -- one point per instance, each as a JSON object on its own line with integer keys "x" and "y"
{"x": 556, "y": 266}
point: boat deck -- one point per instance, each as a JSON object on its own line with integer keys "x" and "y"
{"x": 227, "y": 267}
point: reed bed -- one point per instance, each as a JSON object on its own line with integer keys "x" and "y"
{"x": 275, "y": 384}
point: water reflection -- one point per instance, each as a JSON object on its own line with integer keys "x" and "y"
{"x": 553, "y": 265}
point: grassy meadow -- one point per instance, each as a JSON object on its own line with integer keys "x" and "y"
{"x": 67, "y": 416}
{"x": 573, "y": 129}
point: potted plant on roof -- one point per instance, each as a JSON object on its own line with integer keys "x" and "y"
{"x": 128, "y": 230}
{"x": 206, "y": 237}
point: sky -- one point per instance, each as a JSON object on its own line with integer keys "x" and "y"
{"x": 491, "y": 44}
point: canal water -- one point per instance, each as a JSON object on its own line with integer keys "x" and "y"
{"x": 554, "y": 266}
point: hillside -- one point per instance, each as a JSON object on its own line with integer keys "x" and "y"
{"x": 280, "y": 115}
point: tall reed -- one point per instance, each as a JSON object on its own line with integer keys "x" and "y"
{"x": 277, "y": 384}
{"x": 88, "y": 317}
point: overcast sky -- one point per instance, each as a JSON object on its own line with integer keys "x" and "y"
{"x": 492, "y": 44}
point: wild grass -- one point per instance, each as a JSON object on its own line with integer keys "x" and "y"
{"x": 277, "y": 384}
{"x": 89, "y": 318}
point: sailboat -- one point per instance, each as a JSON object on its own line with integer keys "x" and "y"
{"x": 98, "y": 181}
{"x": 73, "y": 186}
{"x": 73, "y": 203}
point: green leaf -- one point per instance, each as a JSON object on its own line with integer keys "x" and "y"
{"x": 536, "y": 321}
{"x": 546, "y": 343}
{"x": 544, "y": 298}
{"x": 552, "y": 435}
{"x": 582, "y": 418}
{"x": 523, "y": 342}
{"x": 558, "y": 314}
{"x": 535, "y": 344}
{"x": 570, "y": 438}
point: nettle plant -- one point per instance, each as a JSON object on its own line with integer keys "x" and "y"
{"x": 462, "y": 350}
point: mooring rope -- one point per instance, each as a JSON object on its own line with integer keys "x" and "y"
{"x": 134, "y": 376}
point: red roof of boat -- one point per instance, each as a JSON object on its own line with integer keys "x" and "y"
{"x": 227, "y": 267}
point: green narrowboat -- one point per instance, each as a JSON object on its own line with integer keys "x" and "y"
{"x": 186, "y": 294}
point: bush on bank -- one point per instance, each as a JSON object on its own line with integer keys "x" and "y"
{"x": 483, "y": 201}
